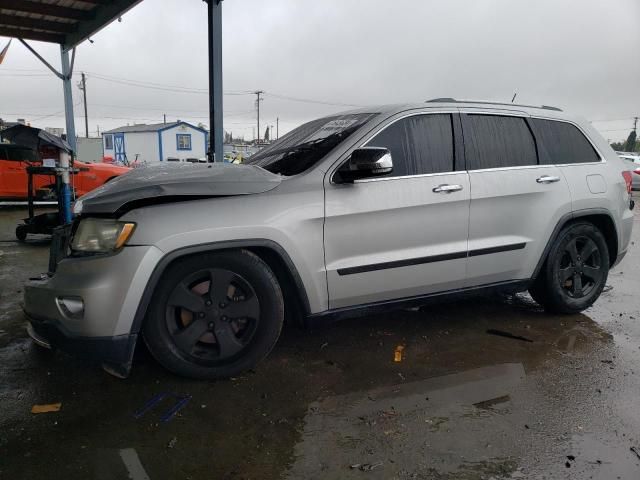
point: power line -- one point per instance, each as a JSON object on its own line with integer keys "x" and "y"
{"x": 160, "y": 86}
{"x": 615, "y": 130}
{"x": 195, "y": 90}
{"x": 25, "y": 74}
{"x": 612, "y": 120}
{"x": 308, "y": 100}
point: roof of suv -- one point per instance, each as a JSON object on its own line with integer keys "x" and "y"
{"x": 446, "y": 103}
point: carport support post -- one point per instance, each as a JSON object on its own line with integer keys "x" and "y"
{"x": 71, "y": 133}
{"x": 215, "y": 81}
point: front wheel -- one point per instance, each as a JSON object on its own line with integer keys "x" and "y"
{"x": 215, "y": 315}
{"x": 575, "y": 272}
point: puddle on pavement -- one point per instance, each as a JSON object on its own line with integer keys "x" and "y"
{"x": 415, "y": 423}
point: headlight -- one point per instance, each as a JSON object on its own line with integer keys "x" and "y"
{"x": 101, "y": 235}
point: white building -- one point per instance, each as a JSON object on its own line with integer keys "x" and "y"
{"x": 158, "y": 142}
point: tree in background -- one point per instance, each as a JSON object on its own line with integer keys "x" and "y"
{"x": 630, "y": 145}
{"x": 266, "y": 135}
{"x": 626, "y": 145}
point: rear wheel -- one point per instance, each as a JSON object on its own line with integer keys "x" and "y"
{"x": 575, "y": 271}
{"x": 214, "y": 316}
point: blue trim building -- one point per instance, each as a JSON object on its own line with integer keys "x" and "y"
{"x": 175, "y": 141}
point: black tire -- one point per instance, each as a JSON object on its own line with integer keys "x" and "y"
{"x": 21, "y": 233}
{"x": 575, "y": 271}
{"x": 234, "y": 320}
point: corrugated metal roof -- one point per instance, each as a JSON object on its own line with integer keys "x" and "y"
{"x": 66, "y": 22}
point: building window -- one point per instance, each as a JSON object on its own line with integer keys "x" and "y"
{"x": 184, "y": 141}
{"x": 108, "y": 142}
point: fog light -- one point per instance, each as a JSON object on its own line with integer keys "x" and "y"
{"x": 71, "y": 307}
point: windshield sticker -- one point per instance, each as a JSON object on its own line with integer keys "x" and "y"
{"x": 332, "y": 127}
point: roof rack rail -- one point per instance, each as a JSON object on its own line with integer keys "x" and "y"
{"x": 453, "y": 100}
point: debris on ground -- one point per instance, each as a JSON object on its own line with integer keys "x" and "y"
{"x": 324, "y": 345}
{"x": 181, "y": 401}
{"x": 172, "y": 442}
{"x": 47, "y": 408}
{"x": 636, "y": 451}
{"x": 501, "y": 333}
{"x": 489, "y": 404}
{"x": 397, "y": 355}
{"x": 365, "y": 467}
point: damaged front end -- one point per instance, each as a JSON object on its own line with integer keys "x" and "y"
{"x": 170, "y": 182}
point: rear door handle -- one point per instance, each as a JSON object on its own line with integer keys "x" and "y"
{"x": 547, "y": 179}
{"x": 446, "y": 188}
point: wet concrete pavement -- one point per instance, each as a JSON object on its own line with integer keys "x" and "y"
{"x": 333, "y": 403}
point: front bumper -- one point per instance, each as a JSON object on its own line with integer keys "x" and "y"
{"x": 115, "y": 354}
{"x": 109, "y": 289}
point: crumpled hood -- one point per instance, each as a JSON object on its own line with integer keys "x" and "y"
{"x": 179, "y": 181}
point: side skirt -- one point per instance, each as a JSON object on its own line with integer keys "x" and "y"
{"x": 336, "y": 314}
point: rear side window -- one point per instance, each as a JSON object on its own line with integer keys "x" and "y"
{"x": 494, "y": 141}
{"x": 419, "y": 144}
{"x": 561, "y": 142}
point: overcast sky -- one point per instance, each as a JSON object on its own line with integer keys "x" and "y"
{"x": 580, "y": 55}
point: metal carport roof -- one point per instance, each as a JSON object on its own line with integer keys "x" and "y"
{"x": 67, "y": 22}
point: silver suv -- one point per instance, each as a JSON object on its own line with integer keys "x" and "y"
{"x": 369, "y": 209}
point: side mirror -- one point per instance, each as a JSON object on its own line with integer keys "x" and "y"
{"x": 366, "y": 162}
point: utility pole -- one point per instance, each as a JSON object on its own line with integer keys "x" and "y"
{"x": 635, "y": 124}
{"x": 83, "y": 87}
{"x": 164, "y": 118}
{"x": 277, "y": 128}
{"x": 258, "y": 100}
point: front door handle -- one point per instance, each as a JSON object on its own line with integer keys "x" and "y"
{"x": 547, "y": 179}
{"x": 446, "y": 188}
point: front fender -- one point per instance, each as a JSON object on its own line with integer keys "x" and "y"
{"x": 210, "y": 247}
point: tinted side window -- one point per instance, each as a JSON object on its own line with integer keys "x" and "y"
{"x": 419, "y": 144}
{"x": 493, "y": 141}
{"x": 561, "y": 142}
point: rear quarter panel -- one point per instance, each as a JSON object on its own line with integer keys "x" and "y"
{"x": 584, "y": 178}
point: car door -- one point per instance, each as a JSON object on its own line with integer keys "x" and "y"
{"x": 516, "y": 202}
{"x": 404, "y": 234}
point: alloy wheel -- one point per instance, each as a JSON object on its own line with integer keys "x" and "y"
{"x": 580, "y": 268}
{"x": 212, "y": 315}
